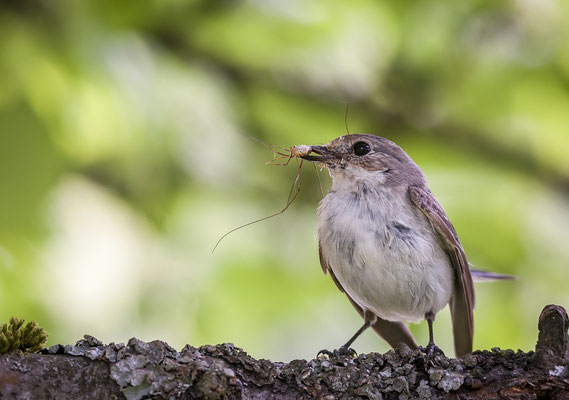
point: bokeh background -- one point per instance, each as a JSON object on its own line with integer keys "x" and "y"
{"x": 125, "y": 155}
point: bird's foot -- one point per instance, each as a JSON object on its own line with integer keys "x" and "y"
{"x": 338, "y": 353}
{"x": 430, "y": 352}
{"x": 347, "y": 351}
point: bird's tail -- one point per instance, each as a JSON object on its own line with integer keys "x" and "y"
{"x": 485, "y": 276}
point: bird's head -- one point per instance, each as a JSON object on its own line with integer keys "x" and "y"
{"x": 367, "y": 158}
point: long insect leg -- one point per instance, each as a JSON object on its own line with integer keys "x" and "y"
{"x": 319, "y": 181}
{"x": 271, "y": 147}
{"x": 288, "y": 203}
{"x": 279, "y": 153}
{"x": 296, "y": 180}
{"x": 287, "y": 156}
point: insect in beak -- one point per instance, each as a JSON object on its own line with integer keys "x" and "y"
{"x": 323, "y": 154}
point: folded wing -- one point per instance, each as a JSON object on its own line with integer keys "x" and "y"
{"x": 462, "y": 301}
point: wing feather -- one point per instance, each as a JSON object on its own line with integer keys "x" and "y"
{"x": 462, "y": 301}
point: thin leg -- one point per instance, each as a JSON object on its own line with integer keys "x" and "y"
{"x": 430, "y": 317}
{"x": 369, "y": 319}
{"x": 366, "y": 325}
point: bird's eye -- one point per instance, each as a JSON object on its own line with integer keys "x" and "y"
{"x": 361, "y": 148}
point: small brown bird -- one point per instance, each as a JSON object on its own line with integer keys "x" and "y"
{"x": 388, "y": 244}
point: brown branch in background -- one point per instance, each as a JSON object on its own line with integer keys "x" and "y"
{"x": 411, "y": 95}
{"x": 411, "y": 106}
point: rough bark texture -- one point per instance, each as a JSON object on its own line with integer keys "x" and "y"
{"x": 139, "y": 370}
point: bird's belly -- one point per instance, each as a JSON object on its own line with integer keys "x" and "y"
{"x": 397, "y": 270}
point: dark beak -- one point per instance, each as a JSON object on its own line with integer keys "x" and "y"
{"x": 323, "y": 154}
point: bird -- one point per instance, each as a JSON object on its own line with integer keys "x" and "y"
{"x": 388, "y": 244}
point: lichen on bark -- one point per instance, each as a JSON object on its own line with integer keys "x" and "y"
{"x": 140, "y": 370}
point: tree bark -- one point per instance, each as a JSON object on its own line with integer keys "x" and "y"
{"x": 140, "y": 370}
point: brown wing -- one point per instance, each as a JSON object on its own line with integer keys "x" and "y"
{"x": 462, "y": 301}
{"x": 393, "y": 332}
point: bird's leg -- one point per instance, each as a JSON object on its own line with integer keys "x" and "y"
{"x": 430, "y": 317}
{"x": 369, "y": 320}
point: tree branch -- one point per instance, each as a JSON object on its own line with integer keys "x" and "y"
{"x": 140, "y": 370}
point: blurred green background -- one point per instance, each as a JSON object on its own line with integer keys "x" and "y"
{"x": 125, "y": 155}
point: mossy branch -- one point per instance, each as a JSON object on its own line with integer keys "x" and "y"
{"x": 154, "y": 370}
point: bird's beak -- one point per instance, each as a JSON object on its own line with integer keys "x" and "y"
{"x": 323, "y": 154}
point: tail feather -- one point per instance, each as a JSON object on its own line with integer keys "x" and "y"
{"x": 485, "y": 276}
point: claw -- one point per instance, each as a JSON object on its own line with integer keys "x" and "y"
{"x": 430, "y": 352}
{"x": 338, "y": 353}
{"x": 324, "y": 352}
{"x": 347, "y": 351}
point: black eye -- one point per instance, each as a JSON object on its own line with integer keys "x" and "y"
{"x": 361, "y": 148}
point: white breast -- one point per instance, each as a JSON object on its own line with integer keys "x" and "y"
{"x": 384, "y": 253}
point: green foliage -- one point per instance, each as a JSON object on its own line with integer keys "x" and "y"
{"x": 14, "y": 335}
